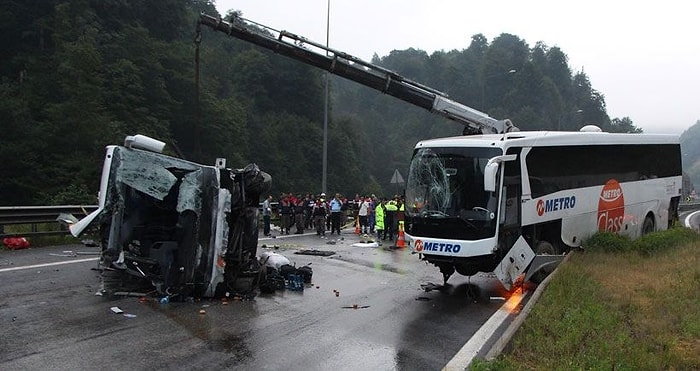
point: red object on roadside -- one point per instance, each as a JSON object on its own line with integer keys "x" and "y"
{"x": 15, "y": 243}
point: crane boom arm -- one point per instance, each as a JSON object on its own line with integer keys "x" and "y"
{"x": 357, "y": 70}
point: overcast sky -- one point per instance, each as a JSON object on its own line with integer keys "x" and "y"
{"x": 643, "y": 56}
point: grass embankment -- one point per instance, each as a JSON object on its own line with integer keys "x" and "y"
{"x": 616, "y": 305}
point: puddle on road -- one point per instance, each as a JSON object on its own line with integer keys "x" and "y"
{"x": 231, "y": 344}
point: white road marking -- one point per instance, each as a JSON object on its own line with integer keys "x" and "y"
{"x": 46, "y": 265}
{"x": 687, "y": 219}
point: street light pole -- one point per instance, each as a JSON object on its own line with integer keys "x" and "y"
{"x": 483, "y": 85}
{"x": 325, "y": 109}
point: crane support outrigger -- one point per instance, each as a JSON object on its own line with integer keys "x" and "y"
{"x": 357, "y": 70}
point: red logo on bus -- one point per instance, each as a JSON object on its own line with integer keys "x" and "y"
{"x": 540, "y": 207}
{"x": 418, "y": 245}
{"x": 611, "y": 207}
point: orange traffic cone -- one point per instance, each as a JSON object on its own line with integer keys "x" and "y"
{"x": 401, "y": 240}
{"x": 357, "y": 225}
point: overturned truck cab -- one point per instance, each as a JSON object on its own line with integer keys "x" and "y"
{"x": 174, "y": 226}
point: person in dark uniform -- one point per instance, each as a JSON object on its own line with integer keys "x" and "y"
{"x": 299, "y": 215}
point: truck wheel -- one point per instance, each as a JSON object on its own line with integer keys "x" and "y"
{"x": 648, "y": 225}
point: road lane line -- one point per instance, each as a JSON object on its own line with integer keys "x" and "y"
{"x": 46, "y": 265}
{"x": 465, "y": 355}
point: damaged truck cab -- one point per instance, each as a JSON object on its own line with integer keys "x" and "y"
{"x": 186, "y": 229}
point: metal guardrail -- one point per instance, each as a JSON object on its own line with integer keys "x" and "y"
{"x": 34, "y": 215}
{"x": 685, "y": 206}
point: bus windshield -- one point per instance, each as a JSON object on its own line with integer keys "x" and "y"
{"x": 448, "y": 183}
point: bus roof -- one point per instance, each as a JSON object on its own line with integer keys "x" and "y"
{"x": 548, "y": 139}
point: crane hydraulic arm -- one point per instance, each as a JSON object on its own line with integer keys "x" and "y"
{"x": 355, "y": 69}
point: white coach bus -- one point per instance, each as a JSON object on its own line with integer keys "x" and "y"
{"x": 491, "y": 203}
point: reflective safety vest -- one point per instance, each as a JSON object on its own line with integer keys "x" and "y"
{"x": 379, "y": 217}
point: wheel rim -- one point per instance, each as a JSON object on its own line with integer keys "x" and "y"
{"x": 544, "y": 248}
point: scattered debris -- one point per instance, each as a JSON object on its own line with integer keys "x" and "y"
{"x": 315, "y": 252}
{"x": 355, "y": 306}
{"x": 116, "y": 310}
{"x": 273, "y": 259}
{"x": 66, "y": 219}
{"x": 72, "y": 254}
{"x": 15, "y": 243}
{"x": 366, "y": 244}
{"x": 129, "y": 293}
{"x": 428, "y": 287}
{"x": 202, "y": 311}
{"x": 89, "y": 243}
{"x": 306, "y": 273}
{"x": 295, "y": 282}
{"x": 129, "y": 315}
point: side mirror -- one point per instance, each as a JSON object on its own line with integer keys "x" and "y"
{"x": 491, "y": 171}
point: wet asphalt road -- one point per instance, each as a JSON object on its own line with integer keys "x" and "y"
{"x": 51, "y": 318}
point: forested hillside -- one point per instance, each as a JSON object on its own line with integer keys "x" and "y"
{"x": 77, "y": 75}
{"x": 690, "y": 146}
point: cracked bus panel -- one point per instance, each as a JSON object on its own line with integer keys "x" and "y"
{"x": 176, "y": 227}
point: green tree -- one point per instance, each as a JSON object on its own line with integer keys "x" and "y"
{"x": 624, "y": 125}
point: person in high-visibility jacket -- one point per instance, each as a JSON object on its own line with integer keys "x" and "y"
{"x": 400, "y": 216}
{"x": 379, "y": 218}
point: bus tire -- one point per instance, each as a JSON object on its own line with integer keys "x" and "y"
{"x": 648, "y": 225}
{"x": 543, "y": 248}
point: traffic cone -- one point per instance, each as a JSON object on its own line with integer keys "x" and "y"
{"x": 357, "y": 226}
{"x": 401, "y": 240}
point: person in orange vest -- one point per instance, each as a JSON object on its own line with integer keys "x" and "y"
{"x": 400, "y": 214}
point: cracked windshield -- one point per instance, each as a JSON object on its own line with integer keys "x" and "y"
{"x": 449, "y": 183}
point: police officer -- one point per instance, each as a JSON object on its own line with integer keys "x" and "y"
{"x": 390, "y": 218}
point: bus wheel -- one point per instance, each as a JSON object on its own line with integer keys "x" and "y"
{"x": 648, "y": 225}
{"x": 543, "y": 248}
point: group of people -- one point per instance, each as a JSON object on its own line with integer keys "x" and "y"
{"x": 388, "y": 217}
{"x": 372, "y": 214}
{"x": 305, "y": 212}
